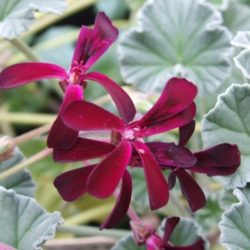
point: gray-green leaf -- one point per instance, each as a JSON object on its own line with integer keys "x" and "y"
{"x": 21, "y": 182}
{"x": 25, "y": 225}
{"x": 235, "y": 225}
{"x": 16, "y": 16}
{"x": 127, "y": 243}
{"x": 229, "y": 122}
{"x": 242, "y": 61}
{"x": 169, "y": 41}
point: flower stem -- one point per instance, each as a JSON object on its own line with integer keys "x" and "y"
{"x": 31, "y": 134}
{"x": 48, "y": 20}
{"x": 26, "y": 118}
{"x": 19, "y": 167}
{"x": 89, "y": 214}
{"x": 89, "y": 231}
{"x": 24, "y": 48}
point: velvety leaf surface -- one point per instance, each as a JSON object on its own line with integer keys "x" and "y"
{"x": 229, "y": 122}
{"x": 169, "y": 41}
{"x": 21, "y": 182}
{"x": 186, "y": 232}
{"x": 235, "y": 224}
{"x": 140, "y": 196}
{"x": 18, "y": 15}
{"x": 236, "y": 15}
{"x": 25, "y": 225}
{"x": 242, "y": 62}
{"x": 127, "y": 243}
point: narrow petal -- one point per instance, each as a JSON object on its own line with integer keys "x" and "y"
{"x": 92, "y": 43}
{"x": 122, "y": 203}
{"x": 177, "y": 95}
{"x": 170, "y": 225}
{"x": 88, "y": 116}
{"x": 61, "y": 136}
{"x": 152, "y": 127}
{"x": 83, "y": 149}
{"x": 223, "y": 159}
{"x": 156, "y": 183}
{"x": 72, "y": 184}
{"x": 124, "y": 104}
{"x": 23, "y": 73}
{"x": 198, "y": 245}
{"x": 191, "y": 190}
{"x": 186, "y": 132}
{"x": 171, "y": 155}
{"x": 105, "y": 177}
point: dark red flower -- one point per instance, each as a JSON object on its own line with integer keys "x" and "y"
{"x": 173, "y": 109}
{"x": 145, "y": 235}
{"x": 222, "y": 159}
{"x": 91, "y": 45}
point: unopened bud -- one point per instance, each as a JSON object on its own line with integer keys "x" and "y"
{"x": 7, "y": 147}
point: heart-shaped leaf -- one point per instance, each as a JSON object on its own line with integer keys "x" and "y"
{"x": 229, "y": 122}
{"x": 25, "y": 225}
{"x": 16, "y": 16}
{"x": 21, "y": 182}
{"x": 176, "y": 38}
{"x": 234, "y": 225}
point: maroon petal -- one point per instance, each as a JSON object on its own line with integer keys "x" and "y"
{"x": 198, "y": 245}
{"x": 191, "y": 190}
{"x": 170, "y": 225}
{"x": 177, "y": 95}
{"x": 122, "y": 100}
{"x": 122, "y": 203}
{"x": 105, "y": 177}
{"x": 83, "y": 149}
{"x": 92, "y": 43}
{"x": 223, "y": 159}
{"x": 23, "y": 73}
{"x": 72, "y": 184}
{"x": 61, "y": 136}
{"x": 186, "y": 132}
{"x": 169, "y": 154}
{"x": 156, "y": 183}
{"x": 88, "y": 116}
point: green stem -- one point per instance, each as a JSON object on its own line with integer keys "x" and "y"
{"x": 89, "y": 214}
{"x": 48, "y": 20}
{"x": 31, "y": 134}
{"x": 90, "y": 231}
{"x": 26, "y": 118}
{"x": 21, "y": 166}
{"x": 24, "y": 48}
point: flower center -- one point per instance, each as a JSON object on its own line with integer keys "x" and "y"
{"x": 77, "y": 72}
{"x": 131, "y": 133}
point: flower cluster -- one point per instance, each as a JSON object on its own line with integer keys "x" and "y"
{"x": 128, "y": 145}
